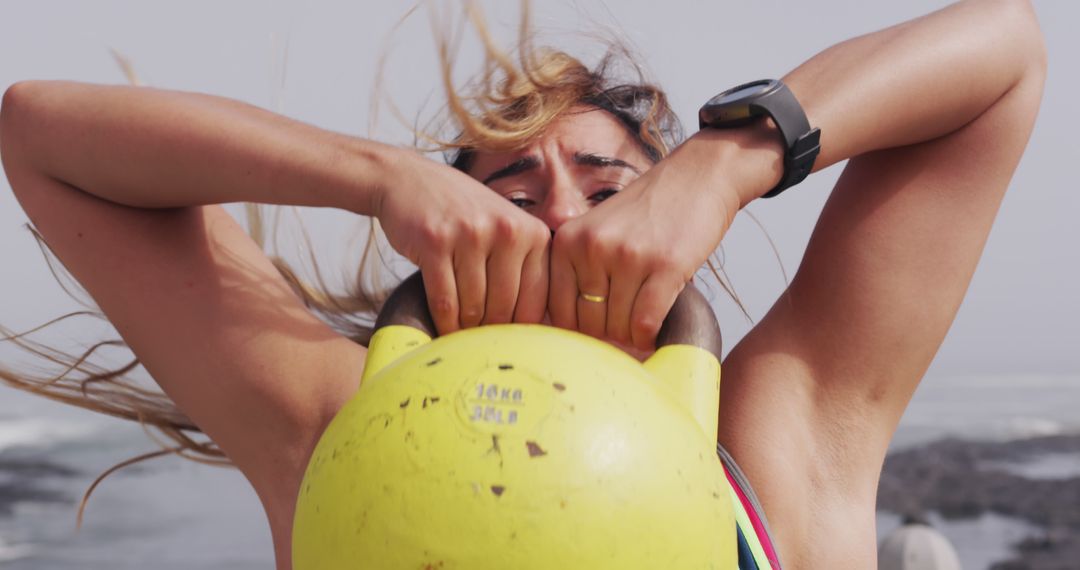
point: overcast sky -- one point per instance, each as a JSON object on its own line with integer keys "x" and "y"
{"x": 1021, "y": 314}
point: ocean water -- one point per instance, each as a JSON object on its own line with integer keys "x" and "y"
{"x": 171, "y": 514}
{"x": 998, "y": 408}
{"x": 164, "y": 514}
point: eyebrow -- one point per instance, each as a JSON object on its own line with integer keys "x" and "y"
{"x": 526, "y": 163}
{"x": 590, "y": 159}
{"x": 520, "y": 165}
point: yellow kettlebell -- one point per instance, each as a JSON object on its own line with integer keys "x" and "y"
{"x": 521, "y": 447}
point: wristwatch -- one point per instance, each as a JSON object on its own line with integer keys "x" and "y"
{"x": 749, "y": 102}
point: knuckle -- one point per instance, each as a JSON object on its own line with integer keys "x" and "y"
{"x": 472, "y": 233}
{"x": 539, "y": 229}
{"x": 619, "y": 333}
{"x": 497, "y": 317}
{"x": 506, "y": 229}
{"x": 537, "y": 236}
{"x": 528, "y": 316}
{"x": 593, "y": 244}
{"x": 564, "y": 239}
{"x": 644, "y": 325}
{"x": 626, "y": 252}
{"x": 441, "y": 305}
{"x": 665, "y": 264}
{"x": 434, "y": 236}
{"x": 471, "y": 314}
{"x": 595, "y": 330}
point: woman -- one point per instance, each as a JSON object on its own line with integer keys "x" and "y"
{"x": 933, "y": 116}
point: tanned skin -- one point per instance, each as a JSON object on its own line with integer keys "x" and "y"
{"x": 932, "y": 115}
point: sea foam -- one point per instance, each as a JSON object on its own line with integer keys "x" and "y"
{"x": 9, "y": 552}
{"x": 39, "y": 433}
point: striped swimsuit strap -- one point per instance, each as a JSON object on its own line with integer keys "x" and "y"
{"x": 756, "y": 551}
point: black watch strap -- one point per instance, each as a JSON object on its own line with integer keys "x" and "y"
{"x": 798, "y": 161}
{"x": 773, "y": 99}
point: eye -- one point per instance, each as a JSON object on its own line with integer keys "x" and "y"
{"x": 521, "y": 202}
{"x": 604, "y": 194}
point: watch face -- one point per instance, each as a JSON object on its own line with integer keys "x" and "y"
{"x": 741, "y": 92}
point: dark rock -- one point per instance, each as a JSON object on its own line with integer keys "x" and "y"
{"x": 10, "y": 495}
{"x": 35, "y": 468}
{"x": 951, "y": 477}
{"x": 22, "y": 480}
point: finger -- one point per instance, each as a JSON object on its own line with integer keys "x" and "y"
{"x": 563, "y": 292}
{"x": 625, "y": 284}
{"x": 442, "y": 297}
{"x": 592, "y": 301}
{"x": 470, "y": 268}
{"x": 652, "y": 304}
{"x": 503, "y": 281}
{"x": 533, "y": 294}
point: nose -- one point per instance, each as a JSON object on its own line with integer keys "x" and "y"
{"x": 562, "y": 204}
{"x": 558, "y": 214}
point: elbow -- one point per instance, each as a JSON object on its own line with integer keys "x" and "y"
{"x": 8, "y": 109}
{"x": 12, "y": 114}
{"x": 22, "y": 124}
{"x": 1021, "y": 15}
{"x": 15, "y": 99}
{"x": 1038, "y": 56}
{"x": 15, "y": 93}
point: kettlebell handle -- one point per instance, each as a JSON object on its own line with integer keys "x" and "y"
{"x": 690, "y": 321}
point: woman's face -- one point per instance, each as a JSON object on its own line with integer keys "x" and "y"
{"x": 584, "y": 158}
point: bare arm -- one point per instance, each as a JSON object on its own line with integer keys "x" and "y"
{"x": 152, "y": 148}
{"x": 934, "y": 115}
{"x": 198, "y": 302}
{"x": 124, "y": 183}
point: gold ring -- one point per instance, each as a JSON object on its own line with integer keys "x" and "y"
{"x": 593, "y": 298}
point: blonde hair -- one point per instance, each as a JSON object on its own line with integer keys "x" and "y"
{"x": 510, "y": 103}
